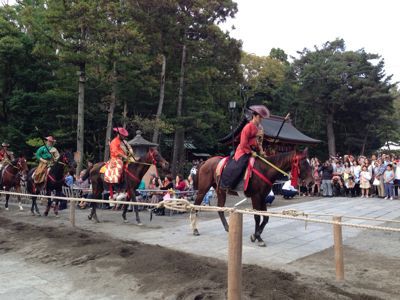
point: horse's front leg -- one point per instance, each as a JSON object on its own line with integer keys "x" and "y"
{"x": 56, "y": 204}
{"x": 124, "y": 210}
{"x": 136, "y": 210}
{"x": 18, "y": 190}
{"x": 258, "y": 233}
{"x": 221, "y": 203}
{"x": 34, "y": 206}
{"x": 48, "y": 207}
{"x": 7, "y": 198}
{"x": 258, "y": 230}
{"x": 93, "y": 206}
{"x": 223, "y": 220}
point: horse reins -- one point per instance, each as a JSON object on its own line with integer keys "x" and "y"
{"x": 295, "y": 166}
{"x": 271, "y": 164}
{"x": 133, "y": 176}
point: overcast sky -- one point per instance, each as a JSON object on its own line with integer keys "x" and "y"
{"x": 295, "y": 24}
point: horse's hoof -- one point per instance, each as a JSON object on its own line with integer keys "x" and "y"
{"x": 139, "y": 224}
{"x": 57, "y": 216}
{"x": 252, "y": 238}
{"x": 7, "y": 208}
{"x": 32, "y": 214}
{"x": 262, "y": 244}
{"x": 196, "y": 232}
{"x": 21, "y": 208}
{"x": 126, "y": 221}
{"x": 89, "y": 217}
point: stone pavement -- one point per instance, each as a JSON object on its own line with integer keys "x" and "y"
{"x": 287, "y": 240}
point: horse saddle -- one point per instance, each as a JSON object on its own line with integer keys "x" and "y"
{"x": 245, "y": 175}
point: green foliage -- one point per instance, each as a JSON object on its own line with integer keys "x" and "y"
{"x": 348, "y": 86}
{"x": 44, "y": 43}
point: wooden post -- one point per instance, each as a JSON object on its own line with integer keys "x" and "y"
{"x": 72, "y": 213}
{"x": 235, "y": 256}
{"x": 338, "y": 246}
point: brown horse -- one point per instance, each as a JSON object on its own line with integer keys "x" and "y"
{"x": 132, "y": 175}
{"x": 11, "y": 177}
{"x": 259, "y": 185}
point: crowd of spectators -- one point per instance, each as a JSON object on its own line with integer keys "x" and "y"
{"x": 376, "y": 176}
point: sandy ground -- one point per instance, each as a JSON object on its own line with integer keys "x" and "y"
{"x": 99, "y": 266}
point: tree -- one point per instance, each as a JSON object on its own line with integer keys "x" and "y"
{"x": 340, "y": 87}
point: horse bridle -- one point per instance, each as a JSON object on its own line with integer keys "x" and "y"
{"x": 154, "y": 162}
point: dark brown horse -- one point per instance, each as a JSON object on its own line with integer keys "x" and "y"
{"x": 259, "y": 185}
{"x": 132, "y": 175}
{"x": 54, "y": 182}
{"x": 11, "y": 177}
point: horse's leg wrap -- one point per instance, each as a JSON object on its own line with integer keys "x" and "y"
{"x": 193, "y": 222}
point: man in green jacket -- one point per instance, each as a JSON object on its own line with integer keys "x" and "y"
{"x": 46, "y": 154}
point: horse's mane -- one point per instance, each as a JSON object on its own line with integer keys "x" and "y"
{"x": 277, "y": 158}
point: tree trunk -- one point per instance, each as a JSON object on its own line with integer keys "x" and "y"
{"x": 113, "y": 102}
{"x": 161, "y": 100}
{"x": 125, "y": 113}
{"x": 80, "y": 137}
{"x": 331, "y": 134}
{"x": 178, "y": 152}
{"x": 364, "y": 144}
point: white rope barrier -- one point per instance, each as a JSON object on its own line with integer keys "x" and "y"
{"x": 184, "y": 205}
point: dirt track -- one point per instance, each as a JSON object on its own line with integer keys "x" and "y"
{"x": 106, "y": 267}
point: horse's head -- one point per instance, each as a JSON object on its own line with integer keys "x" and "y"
{"x": 154, "y": 157}
{"x": 67, "y": 159}
{"x": 22, "y": 166}
{"x": 305, "y": 167}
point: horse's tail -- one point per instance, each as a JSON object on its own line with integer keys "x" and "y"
{"x": 195, "y": 175}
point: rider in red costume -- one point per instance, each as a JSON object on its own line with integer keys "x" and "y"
{"x": 248, "y": 143}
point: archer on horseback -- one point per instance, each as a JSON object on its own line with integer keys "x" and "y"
{"x": 249, "y": 142}
{"x": 6, "y": 156}
{"x": 120, "y": 151}
{"x": 46, "y": 154}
